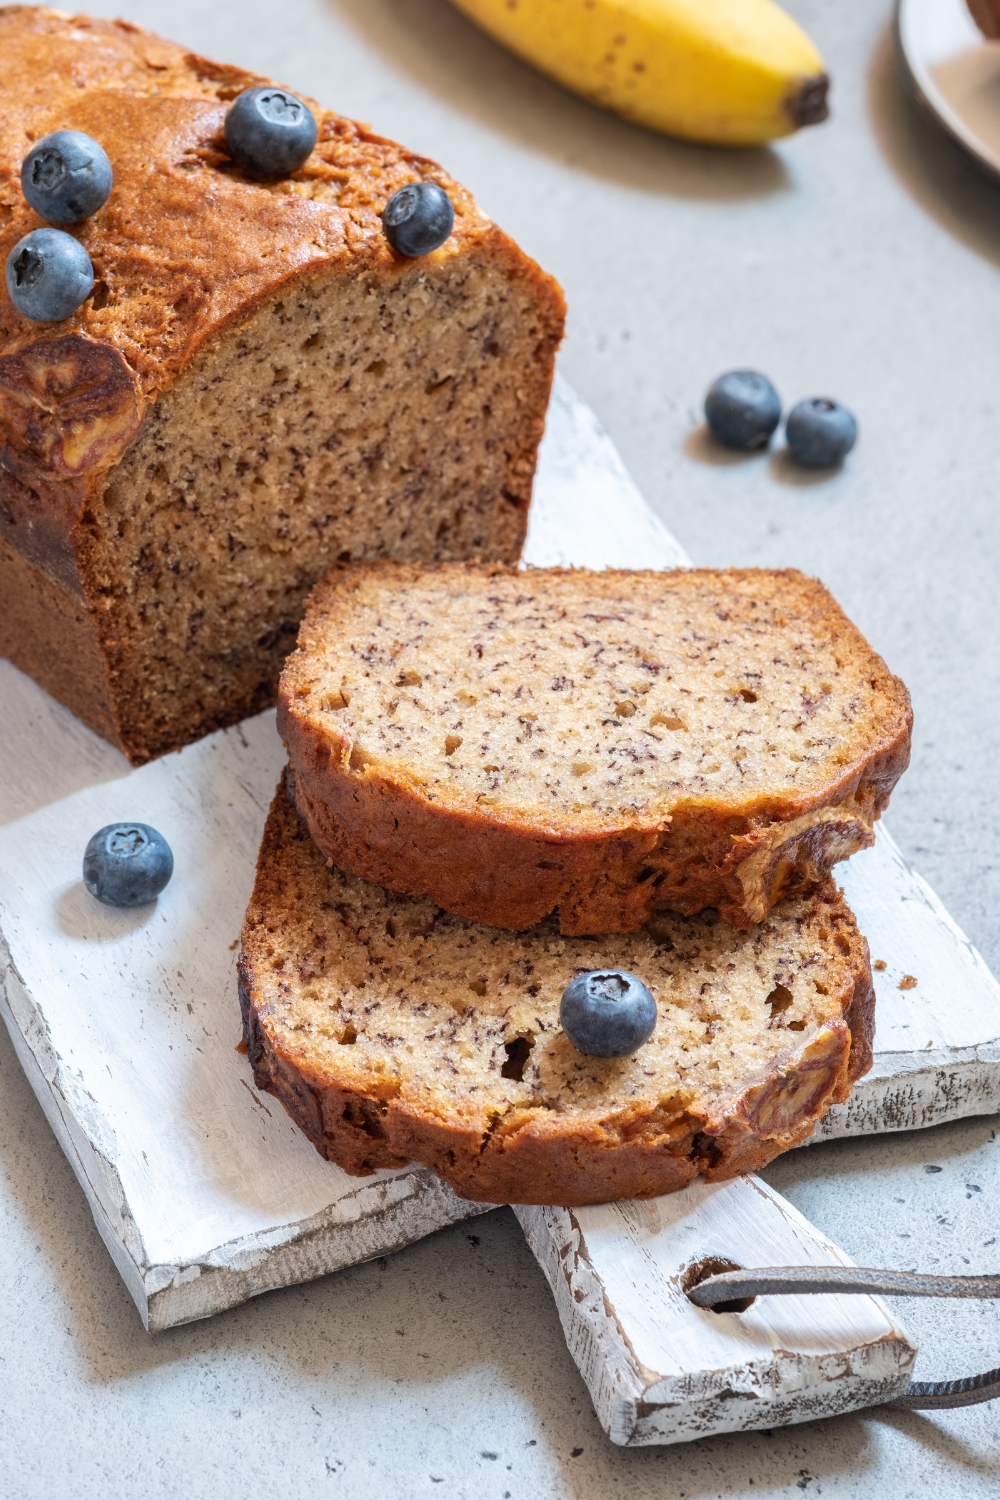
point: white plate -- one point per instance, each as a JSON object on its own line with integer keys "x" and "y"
{"x": 955, "y": 72}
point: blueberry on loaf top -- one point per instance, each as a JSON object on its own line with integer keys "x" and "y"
{"x": 258, "y": 385}
{"x": 602, "y": 743}
{"x": 392, "y": 1031}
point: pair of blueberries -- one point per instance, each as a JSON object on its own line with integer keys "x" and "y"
{"x": 67, "y": 176}
{"x": 605, "y": 1013}
{"x": 271, "y": 133}
{"x": 743, "y": 409}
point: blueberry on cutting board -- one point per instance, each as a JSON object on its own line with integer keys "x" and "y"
{"x": 607, "y": 1013}
{"x": 127, "y": 864}
{"x": 820, "y": 432}
{"x": 66, "y": 177}
{"x": 742, "y": 409}
{"x": 269, "y": 131}
{"x": 418, "y": 219}
{"x": 49, "y": 275}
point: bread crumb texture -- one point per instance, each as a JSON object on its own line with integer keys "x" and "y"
{"x": 605, "y": 743}
{"x": 259, "y": 386}
{"x": 392, "y": 1030}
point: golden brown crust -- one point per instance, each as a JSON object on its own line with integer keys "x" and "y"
{"x": 524, "y": 1154}
{"x": 159, "y": 112}
{"x": 187, "y": 250}
{"x": 737, "y": 853}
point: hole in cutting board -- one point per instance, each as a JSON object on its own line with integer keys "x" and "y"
{"x": 714, "y": 1265}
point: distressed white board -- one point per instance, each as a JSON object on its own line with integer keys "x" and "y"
{"x": 937, "y": 1043}
{"x": 587, "y": 511}
{"x": 126, "y": 1023}
{"x": 659, "y": 1369}
{"x": 206, "y": 1194}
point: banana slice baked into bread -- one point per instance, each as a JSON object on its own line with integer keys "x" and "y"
{"x": 393, "y": 1031}
{"x": 258, "y": 385}
{"x": 609, "y": 744}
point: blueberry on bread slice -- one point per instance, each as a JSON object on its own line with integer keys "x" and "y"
{"x": 602, "y": 744}
{"x": 607, "y": 1013}
{"x": 393, "y": 1031}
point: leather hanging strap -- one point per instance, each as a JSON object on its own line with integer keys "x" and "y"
{"x": 733, "y": 1291}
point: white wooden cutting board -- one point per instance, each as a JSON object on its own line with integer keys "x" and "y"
{"x": 659, "y": 1369}
{"x": 206, "y": 1194}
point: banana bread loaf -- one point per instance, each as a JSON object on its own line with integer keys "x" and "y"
{"x": 608, "y": 744}
{"x": 393, "y": 1031}
{"x": 257, "y": 386}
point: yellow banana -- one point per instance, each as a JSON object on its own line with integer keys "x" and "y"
{"x": 730, "y": 72}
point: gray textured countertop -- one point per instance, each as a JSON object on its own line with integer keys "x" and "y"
{"x": 859, "y": 260}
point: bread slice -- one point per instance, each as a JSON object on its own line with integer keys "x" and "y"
{"x": 609, "y": 744}
{"x": 258, "y": 386}
{"x": 391, "y": 1030}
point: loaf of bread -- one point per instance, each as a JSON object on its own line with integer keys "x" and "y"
{"x": 606, "y": 744}
{"x": 257, "y": 386}
{"x": 392, "y": 1031}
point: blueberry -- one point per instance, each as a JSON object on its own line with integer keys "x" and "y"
{"x": 270, "y": 132}
{"x": 607, "y": 1013}
{"x": 66, "y": 177}
{"x": 418, "y": 218}
{"x": 127, "y": 864}
{"x": 820, "y": 432}
{"x": 742, "y": 409}
{"x": 48, "y": 275}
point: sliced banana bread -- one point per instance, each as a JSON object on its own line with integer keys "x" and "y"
{"x": 391, "y": 1030}
{"x": 608, "y": 744}
{"x": 258, "y": 385}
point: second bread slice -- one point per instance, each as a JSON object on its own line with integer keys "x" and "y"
{"x": 609, "y": 744}
{"x": 391, "y": 1030}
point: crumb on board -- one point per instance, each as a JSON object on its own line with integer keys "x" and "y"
{"x": 908, "y": 982}
{"x": 880, "y": 964}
